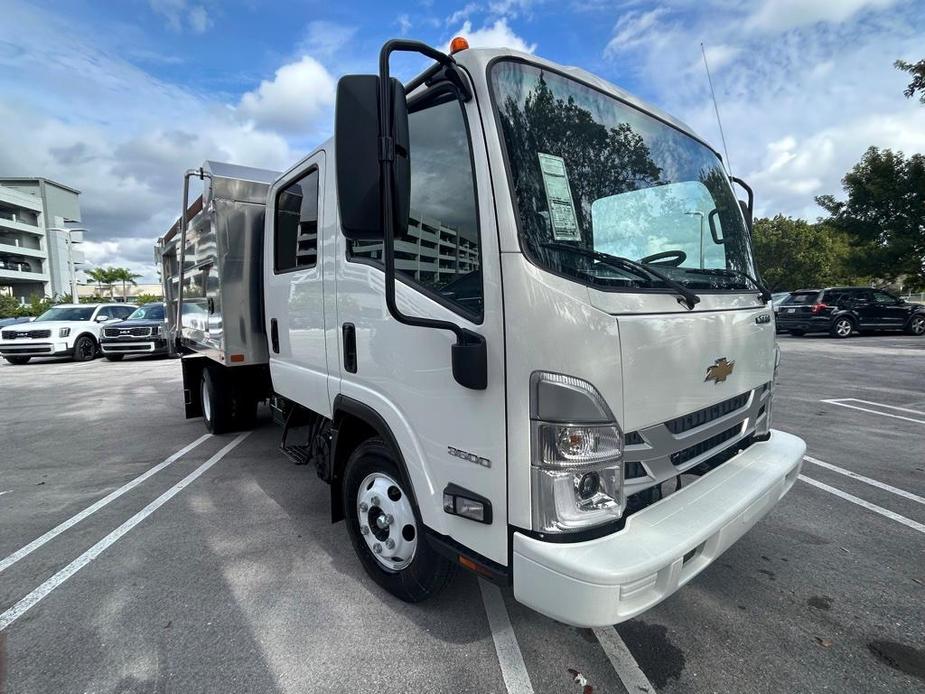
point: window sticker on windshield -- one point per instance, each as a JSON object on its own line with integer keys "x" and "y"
{"x": 559, "y": 198}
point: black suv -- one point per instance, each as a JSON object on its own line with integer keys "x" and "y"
{"x": 840, "y": 311}
{"x": 140, "y": 333}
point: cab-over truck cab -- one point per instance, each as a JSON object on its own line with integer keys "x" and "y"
{"x": 512, "y": 316}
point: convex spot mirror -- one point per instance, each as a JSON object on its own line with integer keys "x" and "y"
{"x": 357, "y": 147}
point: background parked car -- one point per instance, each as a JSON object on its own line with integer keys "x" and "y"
{"x": 143, "y": 332}
{"x": 64, "y": 330}
{"x": 840, "y": 311}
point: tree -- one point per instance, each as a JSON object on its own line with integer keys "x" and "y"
{"x": 126, "y": 276}
{"x": 99, "y": 276}
{"x": 884, "y": 214}
{"x": 917, "y": 70}
{"x": 794, "y": 254}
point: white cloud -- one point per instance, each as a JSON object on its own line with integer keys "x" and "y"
{"x": 179, "y": 14}
{"x": 497, "y": 35}
{"x": 800, "y": 105}
{"x": 633, "y": 29}
{"x": 786, "y": 14}
{"x": 404, "y": 24}
{"x": 298, "y": 93}
{"x": 125, "y": 155}
{"x": 199, "y": 19}
{"x": 463, "y": 13}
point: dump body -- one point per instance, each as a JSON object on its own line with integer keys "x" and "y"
{"x": 222, "y": 297}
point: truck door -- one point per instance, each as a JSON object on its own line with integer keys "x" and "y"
{"x": 448, "y": 267}
{"x": 294, "y": 293}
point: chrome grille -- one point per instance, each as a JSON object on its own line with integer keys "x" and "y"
{"x": 31, "y": 334}
{"x": 126, "y": 332}
{"x": 660, "y": 452}
{"x": 691, "y": 452}
{"x": 696, "y": 419}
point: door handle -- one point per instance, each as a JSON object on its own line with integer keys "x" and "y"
{"x": 350, "y": 348}
{"x": 274, "y": 335}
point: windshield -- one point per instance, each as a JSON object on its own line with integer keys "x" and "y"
{"x": 148, "y": 312}
{"x": 68, "y": 313}
{"x": 594, "y": 174}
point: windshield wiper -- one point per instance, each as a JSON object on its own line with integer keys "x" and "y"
{"x": 689, "y": 298}
{"x": 763, "y": 291}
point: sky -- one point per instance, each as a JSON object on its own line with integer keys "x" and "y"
{"x": 119, "y": 98}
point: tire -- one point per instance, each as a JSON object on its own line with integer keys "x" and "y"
{"x": 19, "y": 361}
{"x": 216, "y": 412}
{"x": 842, "y": 327}
{"x": 375, "y": 489}
{"x": 114, "y": 357}
{"x": 916, "y": 326}
{"x": 225, "y": 406}
{"x": 84, "y": 348}
{"x": 798, "y": 333}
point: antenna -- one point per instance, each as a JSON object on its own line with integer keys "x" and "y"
{"x": 716, "y": 109}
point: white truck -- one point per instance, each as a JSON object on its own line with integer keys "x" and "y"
{"x": 511, "y": 315}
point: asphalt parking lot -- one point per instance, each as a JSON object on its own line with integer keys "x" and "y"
{"x": 220, "y": 570}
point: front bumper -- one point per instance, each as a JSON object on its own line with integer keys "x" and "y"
{"x": 616, "y": 577}
{"x": 138, "y": 346}
{"x": 48, "y": 347}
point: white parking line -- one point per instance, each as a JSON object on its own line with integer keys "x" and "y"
{"x": 867, "y": 480}
{"x": 628, "y": 670}
{"x": 93, "y": 508}
{"x": 33, "y": 598}
{"x": 843, "y": 402}
{"x": 908, "y": 522}
{"x": 511, "y": 660}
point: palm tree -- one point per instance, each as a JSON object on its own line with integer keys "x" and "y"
{"x": 124, "y": 275}
{"x": 99, "y": 276}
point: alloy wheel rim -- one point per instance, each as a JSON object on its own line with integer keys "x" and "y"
{"x": 387, "y": 522}
{"x": 86, "y": 349}
{"x": 918, "y": 326}
{"x": 843, "y": 327}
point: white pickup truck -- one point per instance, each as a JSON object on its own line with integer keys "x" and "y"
{"x": 64, "y": 330}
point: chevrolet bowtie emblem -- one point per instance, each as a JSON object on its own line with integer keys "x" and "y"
{"x": 720, "y": 370}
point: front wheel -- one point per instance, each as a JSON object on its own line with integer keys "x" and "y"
{"x": 385, "y": 527}
{"x": 84, "y": 348}
{"x": 842, "y": 328}
{"x": 916, "y": 326}
{"x": 19, "y": 361}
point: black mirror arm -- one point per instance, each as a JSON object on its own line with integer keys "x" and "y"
{"x": 469, "y": 354}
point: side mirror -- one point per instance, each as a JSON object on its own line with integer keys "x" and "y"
{"x": 358, "y": 150}
{"x": 102, "y": 319}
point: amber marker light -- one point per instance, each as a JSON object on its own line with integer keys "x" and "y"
{"x": 458, "y": 44}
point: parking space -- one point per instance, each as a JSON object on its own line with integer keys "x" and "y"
{"x": 218, "y": 569}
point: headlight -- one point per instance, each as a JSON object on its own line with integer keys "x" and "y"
{"x": 577, "y": 456}
{"x": 64, "y": 332}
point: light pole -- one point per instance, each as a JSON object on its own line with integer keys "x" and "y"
{"x": 699, "y": 214}
{"x": 70, "y": 258}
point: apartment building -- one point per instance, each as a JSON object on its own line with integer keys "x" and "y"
{"x": 34, "y": 253}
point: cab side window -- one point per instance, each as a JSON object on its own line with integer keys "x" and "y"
{"x": 440, "y": 249}
{"x": 295, "y": 227}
